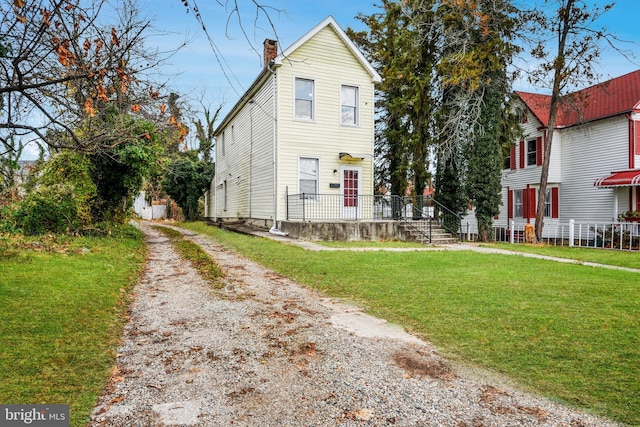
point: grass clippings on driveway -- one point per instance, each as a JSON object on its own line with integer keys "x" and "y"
{"x": 193, "y": 253}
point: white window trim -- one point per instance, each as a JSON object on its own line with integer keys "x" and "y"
{"x": 357, "y": 106}
{"x": 313, "y": 100}
{"x": 517, "y": 214}
{"x": 318, "y": 184}
{"x": 222, "y": 142}
{"x": 526, "y": 152}
{"x": 548, "y": 202}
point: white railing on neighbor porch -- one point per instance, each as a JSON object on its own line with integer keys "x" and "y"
{"x": 611, "y": 235}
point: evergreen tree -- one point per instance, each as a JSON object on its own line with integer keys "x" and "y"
{"x": 478, "y": 40}
{"x": 400, "y": 44}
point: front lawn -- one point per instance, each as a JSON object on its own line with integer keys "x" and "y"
{"x": 567, "y": 331}
{"x": 624, "y": 258}
{"x": 62, "y": 306}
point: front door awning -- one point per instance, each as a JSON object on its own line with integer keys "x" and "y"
{"x": 627, "y": 178}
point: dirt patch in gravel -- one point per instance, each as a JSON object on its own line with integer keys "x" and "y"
{"x": 265, "y": 351}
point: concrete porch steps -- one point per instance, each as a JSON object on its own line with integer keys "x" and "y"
{"x": 418, "y": 231}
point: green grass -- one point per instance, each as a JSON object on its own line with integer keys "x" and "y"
{"x": 193, "y": 253}
{"x": 570, "y": 332}
{"x": 62, "y": 306}
{"x": 600, "y": 256}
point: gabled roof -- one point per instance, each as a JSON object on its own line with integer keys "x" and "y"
{"x": 262, "y": 77}
{"x": 620, "y": 95}
{"x": 330, "y": 22}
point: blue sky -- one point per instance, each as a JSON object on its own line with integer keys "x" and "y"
{"x": 195, "y": 72}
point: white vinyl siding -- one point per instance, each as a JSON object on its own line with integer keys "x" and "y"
{"x": 331, "y": 64}
{"x": 590, "y": 152}
{"x": 271, "y": 134}
{"x": 247, "y": 163}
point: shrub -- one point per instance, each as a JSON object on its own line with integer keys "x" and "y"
{"x": 60, "y": 199}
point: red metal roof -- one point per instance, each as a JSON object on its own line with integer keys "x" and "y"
{"x": 625, "y": 178}
{"x": 611, "y": 98}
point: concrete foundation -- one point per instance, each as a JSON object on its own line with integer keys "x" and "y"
{"x": 344, "y": 231}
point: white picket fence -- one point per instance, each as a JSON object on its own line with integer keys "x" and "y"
{"x": 609, "y": 235}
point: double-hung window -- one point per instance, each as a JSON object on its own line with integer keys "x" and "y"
{"x": 531, "y": 152}
{"x": 304, "y": 93}
{"x": 517, "y": 203}
{"x": 349, "y": 105}
{"x": 547, "y": 203}
{"x": 308, "y": 185}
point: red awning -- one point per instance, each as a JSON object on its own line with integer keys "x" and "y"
{"x": 628, "y": 178}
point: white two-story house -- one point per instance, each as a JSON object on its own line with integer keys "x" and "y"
{"x": 303, "y": 131}
{"x": 594, "y": 172}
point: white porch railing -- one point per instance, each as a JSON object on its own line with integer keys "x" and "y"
{"x": 608, "y": 235}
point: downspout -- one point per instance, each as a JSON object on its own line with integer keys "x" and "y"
{"x": 250, "y": 156}
{"x": 274, "y": 227}
{"x": 215, "y": 191}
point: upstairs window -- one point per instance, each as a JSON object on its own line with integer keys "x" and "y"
{"x": 531, "y": 152}
{"x": 304, "y": 99}
{"x": 349, "y": 105}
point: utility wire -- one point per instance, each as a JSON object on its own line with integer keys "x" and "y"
{"x": 216, "y": 51}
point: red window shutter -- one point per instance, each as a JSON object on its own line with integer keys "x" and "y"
{"x": 525, "y": 202}
{"x": 554, "y": 202}
{"x": 532, "y": 203}
{"x": 509, "y": 204}
{"x": 539, "y": 152}
{"x": 521, "y": 154}
{"x": 512, "y": 157}
{"x": 638, "y": 199}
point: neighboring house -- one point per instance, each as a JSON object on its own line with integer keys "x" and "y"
{"x": 594, "y": 174}
{"x": 305, "y": 126}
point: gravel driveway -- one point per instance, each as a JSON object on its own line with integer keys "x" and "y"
{"x": 265, "y": 351}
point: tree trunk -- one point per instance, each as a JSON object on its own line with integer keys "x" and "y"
{"x": 558, "y": 80}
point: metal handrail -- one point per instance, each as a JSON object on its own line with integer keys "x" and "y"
{"x": 328, "y": 207}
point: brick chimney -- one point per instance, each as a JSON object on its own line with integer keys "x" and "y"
{"x": 270, "y": 51}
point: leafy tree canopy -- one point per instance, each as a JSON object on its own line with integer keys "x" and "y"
{"x": 186, "y": 180}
